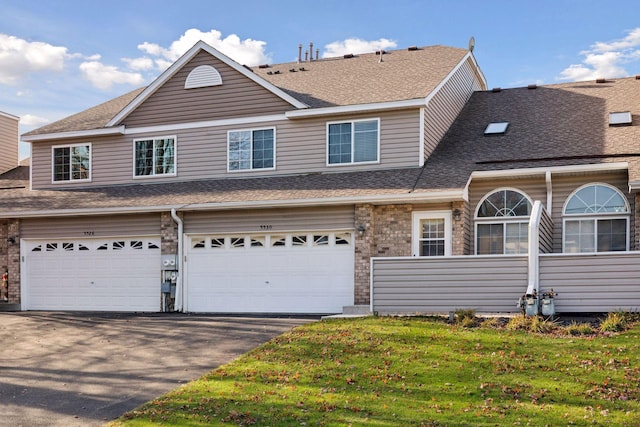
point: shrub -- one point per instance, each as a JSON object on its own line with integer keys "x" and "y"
{"x": 518, "y": 323}
{"x": 542, "y": 326}
{"x": 577, "y": 329}
{"x": 466, "y": 318}
{"x": 614, "y": 322}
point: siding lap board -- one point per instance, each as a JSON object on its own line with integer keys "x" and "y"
{"x": 94, "y": 226}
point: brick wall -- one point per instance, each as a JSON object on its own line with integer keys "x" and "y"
{"x": 168, "y": 234}
{"x": 13, "y": 261}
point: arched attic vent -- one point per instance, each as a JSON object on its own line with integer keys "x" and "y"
{"x": 203, "y": 76}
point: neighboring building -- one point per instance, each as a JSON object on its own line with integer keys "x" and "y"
{"x": 263, "y": 190}
{"x": 8, "y": 141}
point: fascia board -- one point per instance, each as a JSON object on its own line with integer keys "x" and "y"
{"x": 598, "y": 167}
{"x": 74, "y": 134}
{"x": 435, "y": 196}
{"x": 357, "y": 108}
{"x": 173, "y": 69}
{"x": 9, "y": 116}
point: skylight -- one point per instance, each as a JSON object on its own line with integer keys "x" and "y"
{"x": 620, "y": 118}
{"x": 497, "y": 128}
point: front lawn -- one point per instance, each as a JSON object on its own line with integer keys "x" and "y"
{"x": 413, "y": 372}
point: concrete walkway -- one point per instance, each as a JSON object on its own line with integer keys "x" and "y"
{"x": 61, "y": 369}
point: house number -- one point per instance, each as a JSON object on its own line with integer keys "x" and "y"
{"x": 88, "y": 233}
{"x": 266, "y": 227}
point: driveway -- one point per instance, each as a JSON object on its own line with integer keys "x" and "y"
{"x": 61, "y": 369}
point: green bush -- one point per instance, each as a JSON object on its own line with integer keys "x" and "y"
{"x": 614, "y": 322}
{"x": 578, "y": 329}
{"x": 466, "y": 318}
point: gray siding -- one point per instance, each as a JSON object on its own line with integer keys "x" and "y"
{"x": 93, "y": 226}
{"x": 238, "y": 96}
{"x": 202, "y": 152}
{"x": 8, "y": 143}
{"x": 441, "y": 285}
{"x": 592, "y": 283}
{"x": 445, "y": 106}
{"x": 270, "y": 220}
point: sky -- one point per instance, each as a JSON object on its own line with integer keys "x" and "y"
{"x": 59, "y": 58}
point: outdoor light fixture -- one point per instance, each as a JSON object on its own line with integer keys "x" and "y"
{"x": 457, "y": 214}
{"x": 11, "y": 240}
{"x": 361, "y": 229}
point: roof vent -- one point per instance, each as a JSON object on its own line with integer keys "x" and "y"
{"x": 496, "y": 128}
{"x": 348, "y": 56}
{"x": 412, "y": 48}
{"x": 496, "y": 89}
{"x": 533, "y": 86}
{"x": 637, "y": 76}
{"x": 622, "y": 118}
{"x": 302, "y": 69}
{"x": 601, "y": 80}
{"x": 292, "y": 70}
{"x": 263, "y": 66}
{"x": 380, "y": 52}
{"x": 203, "y": 76}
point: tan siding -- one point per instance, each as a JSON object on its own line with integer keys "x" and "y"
{"x": 94, "y": 226}
{"x": 445, "y": 106}
{"x": 270, "y": 220}
{"x": 563, "y": 186}
{"x": 202, "y": 152}
{"x": 8, "y": 143}
{"x": 238, "y": 96}
{"x": 440, "y": 285}
{"x": 592, "y": 283}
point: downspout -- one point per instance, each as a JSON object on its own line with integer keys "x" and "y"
{"x": 178, "y": 306}
{"x": 529, "y": 301}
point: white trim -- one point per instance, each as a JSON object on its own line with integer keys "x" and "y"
{"x": 590, "y": 184}
{"x": 547, "y": 179}
{"x": 442, "y": 196}
{"x": 418, "y": 216}
{"x": 479, "y": 71}
{"x": 9, "y": 116}
{"x": 421, "y": 141}
{"x": 533, "y": 252}
{"x": 183, "y": 60}
{"x": 205, "y": 124}
{"x": 154, "y": 175}
{"x": 353, "y": 130}
{"x": 252, "y": 169}
{"x": 70, "y": 180}
{"x": 596, "y": 167}
{"x": 356, "y": 108}
{"x": 74, "y": 134}
{"x": 489, "y": 218}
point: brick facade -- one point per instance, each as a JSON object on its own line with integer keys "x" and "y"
{"x": 168, "y": 234}
{"x": 388, "y": 233}
{"x": 13, "y": 260}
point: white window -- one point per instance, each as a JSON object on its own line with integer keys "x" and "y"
{"x": 155, "y": 156}
{"x": 351, "y": 142}
{"x": 502, "y": 220}
{"x": 431, "y": 233}
{"x": 596, "y": 219}
{"x": 251, "y": 149}
{"x": 71, "y": 162}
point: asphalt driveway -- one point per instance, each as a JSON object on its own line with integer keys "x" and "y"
{"x": 61, "y": 369}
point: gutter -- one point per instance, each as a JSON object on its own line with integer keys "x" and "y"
{"x": 178, "y": 306}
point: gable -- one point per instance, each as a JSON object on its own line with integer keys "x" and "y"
{"x": 236, "y": 96}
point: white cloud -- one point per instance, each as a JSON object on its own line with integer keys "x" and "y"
{"x": 104, "y": 76}
{"x": 143, "y": 63}
{"x": 249, "y": 52}
{"x": 605, "y": 59}
{"x": 356, "y": 46}
{"x": 19, "y": 57}
{"x": 33, "y": 120}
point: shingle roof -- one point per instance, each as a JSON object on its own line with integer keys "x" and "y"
{"x": 555, "y": 125}
{"x": 363, "y": 79}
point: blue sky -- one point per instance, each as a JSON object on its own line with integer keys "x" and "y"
{"x": 59, "y": 58}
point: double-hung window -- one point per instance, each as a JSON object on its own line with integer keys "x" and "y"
{"x": 155, "y": 156}
{"x": 596, "y": 219}
{"x": 251, "y": 149}
{"x": 72, "y": 162}
{"x": 351, "y": 142}
{"x": 502, "y": 223}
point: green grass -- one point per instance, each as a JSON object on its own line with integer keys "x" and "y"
{"x": 413, "y": 372}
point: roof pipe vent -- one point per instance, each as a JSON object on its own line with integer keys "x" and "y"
{"x": 412, "y": 48}
{"x": 317, "y": 53}
{"x": 533, "y": 86}
{"x": 299, "y": 53}
{"x": 496, "y": 89}
{"x": 310, "y": 51}
{"x": 601, "y": 80}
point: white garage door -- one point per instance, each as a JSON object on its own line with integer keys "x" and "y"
{"x": 276, "y": 273}
{"x": 92, "y": 274}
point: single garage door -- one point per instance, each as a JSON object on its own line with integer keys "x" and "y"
{"x": 121, "y": 274}
{"x": 270, "y": 273}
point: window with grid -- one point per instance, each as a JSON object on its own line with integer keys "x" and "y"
{"x": 353, "y": 142}
{"x": 155, "y": 156}
{"x": 72, "y": 163}
{"x": 502, "y": 222}
{"x": 251, "y": 149}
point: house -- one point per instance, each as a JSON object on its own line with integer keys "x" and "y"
{"x": 227, "y": 189}
{"x": 8, "y": 141}
{"x": 549, "y": 176}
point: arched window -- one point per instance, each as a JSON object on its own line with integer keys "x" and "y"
{"x": 501, "y": 223}
{"x": 596, "y": 219}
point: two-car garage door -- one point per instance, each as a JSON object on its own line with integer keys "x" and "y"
{"x": 304, "y": 272}
{"x": 115, "y": 274}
